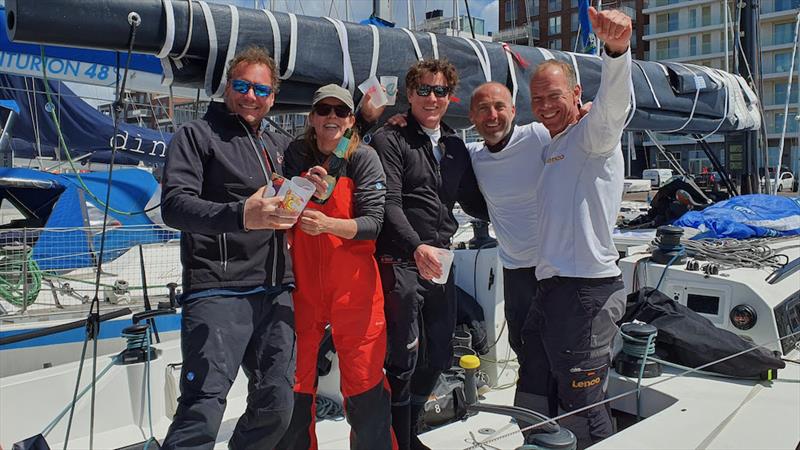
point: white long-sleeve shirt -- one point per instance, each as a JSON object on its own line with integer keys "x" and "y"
{"x": 580, "y": 189}
{"x": 508, "y": 181}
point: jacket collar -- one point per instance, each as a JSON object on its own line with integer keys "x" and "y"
{"x": 414, "y": 126}
{"x": 219, "y": 113}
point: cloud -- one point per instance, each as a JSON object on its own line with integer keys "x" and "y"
{"x": 491, "y": 13}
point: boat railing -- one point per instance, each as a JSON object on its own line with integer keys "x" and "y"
{"x": 52, "y": 269}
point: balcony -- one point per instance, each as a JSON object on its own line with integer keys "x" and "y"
{"x": 526, "y": 32}
{"x": 664, "y": 54}
{"x": 774, "y": 6}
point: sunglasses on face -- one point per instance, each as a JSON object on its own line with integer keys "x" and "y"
{"x": 243, "y": 87}
{"x": 323, "y": 110}
{"x": 424, "y": 90}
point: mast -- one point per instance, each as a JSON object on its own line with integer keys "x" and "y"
{"x": 382, "y": 9}
{"x": 750, "y": 15}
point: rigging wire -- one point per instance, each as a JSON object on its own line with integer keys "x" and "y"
{"x": 93, "y": 320}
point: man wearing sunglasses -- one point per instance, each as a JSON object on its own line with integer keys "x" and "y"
{"x": 427, "y": 170}
{"x": 237, "y": 274}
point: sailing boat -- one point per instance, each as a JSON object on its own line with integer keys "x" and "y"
{"x": 681, "y": 409}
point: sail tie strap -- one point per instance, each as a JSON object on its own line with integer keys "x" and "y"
{"x": 511, "y": 72}
{"x": 483, "y": 57}
{"x": 348, "y": 79}
{"x": 376, "y": 50}
{"x": 232, "y": 42}
{"x": 276, "y": 42}
{"x": 546, "y": 54}
{"x": 434, "y": 45}
{"x": 694, "y": 104}
{"x": 169, "y": 39}
{"x": 188, "y": 33}
{"x": 414, "y": 41}
{"x": 649, "y": 83}
{"x": 212, "y": 46}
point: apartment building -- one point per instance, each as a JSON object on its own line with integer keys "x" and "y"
{"x": 693, "y": 31}
{"x": 436, "y": 22}
{"x": 554, "y": 24}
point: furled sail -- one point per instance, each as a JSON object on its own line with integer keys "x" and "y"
{"x": 195, "y": 39}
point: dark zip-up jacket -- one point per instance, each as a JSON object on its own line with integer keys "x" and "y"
{"x": 213, "y": 165}
{"x": 421, "y": 192}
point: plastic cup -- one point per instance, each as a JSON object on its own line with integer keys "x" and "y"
{"x": 446, "y": 260}
{"x": 297, "y": 193}
{"x": 373, "y": 87}
{"x": 390, "y": 83}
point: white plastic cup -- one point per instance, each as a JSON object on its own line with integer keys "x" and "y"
{"x": 446, "y": 261}
{"x": 373, "y": 87}
{"x": 390, "y": 84}
{"x": 296, "y": 194}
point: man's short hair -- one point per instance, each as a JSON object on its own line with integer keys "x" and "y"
{"x": 566, "y": 69}
{"x": 255, "y": 55}
{"x": 420, "y": 68}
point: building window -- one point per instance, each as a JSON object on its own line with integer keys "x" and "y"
{"x": 783, "y": 33}
{"x": 782, "y": 61}
{"x": 555, "y": 25}
{"x": 666, "y": 22}
{"x": 554, "y": 5}
{"x": 667, "y": 49}
{"x": 780, "y": 93}
{"x": 535, "y": 8}
{"x": 693, "y": 18}
{"x": 706, "y": 17}
{"x": 574, "y": 22}
{"x": 692, "y": 45}
{"x": 555, "y": 44}
{"x": 791, "y": 124}
{"x": 785, "y": 5}
{"x": 706, "y": 49}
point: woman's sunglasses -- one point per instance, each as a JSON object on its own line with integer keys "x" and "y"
{"x": 424, "y": 90}
{"x": 323, "y": 110}
{"x": 243, "y": 87}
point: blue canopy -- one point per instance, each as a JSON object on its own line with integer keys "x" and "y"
{"x": 746, "y": 216}
{"x": 59, "y": 201}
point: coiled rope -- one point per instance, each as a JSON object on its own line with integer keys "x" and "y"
{"x": 730, "y": 253}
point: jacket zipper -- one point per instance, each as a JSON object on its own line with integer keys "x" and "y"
{"x": 266, "y": 181}
{"x": 224, "y": 252}
{"x": 437, "y": 165}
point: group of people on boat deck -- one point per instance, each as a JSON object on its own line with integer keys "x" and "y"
{"x": 261, "y": 282}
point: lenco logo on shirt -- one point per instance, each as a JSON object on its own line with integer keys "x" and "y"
{"x": 553, "y": 159}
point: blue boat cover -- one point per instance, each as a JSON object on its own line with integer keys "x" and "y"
{"x": 85, "y": 129}
{"x": 69, "y": 249}
{"x": 746, "y": 216}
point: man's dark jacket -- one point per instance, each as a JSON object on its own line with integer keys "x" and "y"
{"x": 213, "y": 165}
{"x": 421, "y": 192}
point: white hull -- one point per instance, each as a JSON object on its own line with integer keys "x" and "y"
{"x": 681, "y": 413}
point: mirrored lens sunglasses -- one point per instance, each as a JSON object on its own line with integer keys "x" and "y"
{"x": 243, "y": 87}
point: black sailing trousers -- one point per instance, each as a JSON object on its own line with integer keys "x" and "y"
{"x": 219, "y": 334}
